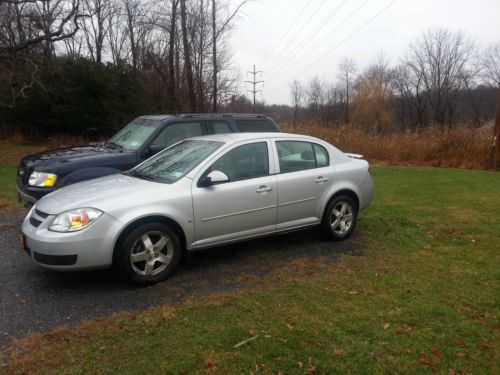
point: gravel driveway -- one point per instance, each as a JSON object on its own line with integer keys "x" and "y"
{"x": 35, "y": 300}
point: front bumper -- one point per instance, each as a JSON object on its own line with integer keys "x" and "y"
{"x": 89, "y": 248}
{"x": 28, "y": 195}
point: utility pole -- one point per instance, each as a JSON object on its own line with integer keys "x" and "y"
{"x": 495, "y": 149}
{"x": 254, "y": 83}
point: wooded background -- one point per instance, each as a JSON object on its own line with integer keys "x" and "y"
{"x": 67, "y": 66}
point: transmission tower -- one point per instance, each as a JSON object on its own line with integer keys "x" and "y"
{"x": 254, "y": 83}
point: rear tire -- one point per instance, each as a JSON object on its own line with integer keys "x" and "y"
{"x": 340, "y": 218}
{"x": 149, "y": 253}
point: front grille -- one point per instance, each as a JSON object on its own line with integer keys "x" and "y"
{"x": 43, "y": 215}
{"x": 36, "y": 223}
{"x": 55, "y": 260}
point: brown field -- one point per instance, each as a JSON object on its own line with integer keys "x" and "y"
{"x": 462, "y": 147}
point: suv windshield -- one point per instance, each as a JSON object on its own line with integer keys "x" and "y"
{"x": 133, "y": 136}
{"x": 175, "y": 162}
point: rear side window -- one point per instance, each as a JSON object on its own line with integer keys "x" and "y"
{"x": 322, "y": 159}
{"x": 256, "y": 125}
{"x": 298, "y": 156}
{"x": 221, "y": 127}
{"x": 174, "y": 133}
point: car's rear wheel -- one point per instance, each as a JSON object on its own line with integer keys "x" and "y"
{"x": 340, "y": 218}
{"x": 149, "y": 253}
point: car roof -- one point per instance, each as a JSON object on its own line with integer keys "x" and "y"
{"x": 168, "y": 116}
{"x": 238, "y": 137}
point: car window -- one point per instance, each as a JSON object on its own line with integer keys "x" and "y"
{"x": 244, "y": 162}
{"x": 256, "y": 125}
{"x": 322, "y": 158}
{"x": 221, "y": 127}
{"x": 298, "y": 156}
{"x": 174, "y": 133}
{"x": 133, "y": 136}
{"x": 175, "y": 162}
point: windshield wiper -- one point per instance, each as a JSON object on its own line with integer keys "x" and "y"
{"x": 114, "y": 145}
{"x": 134, "y": 173}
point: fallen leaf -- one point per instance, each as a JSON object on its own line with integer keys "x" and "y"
{"x": 386, "y": 325}
{"x": 339, "y": 352}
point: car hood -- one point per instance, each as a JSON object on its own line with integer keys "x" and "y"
{"x": 56, "y": 158}
{"x": 105, "y": 193}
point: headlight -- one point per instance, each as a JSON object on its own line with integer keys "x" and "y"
{"x": 74, "y": 220}
{"x": 42, "y": 179}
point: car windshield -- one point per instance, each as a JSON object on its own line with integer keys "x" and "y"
{"x": 133, "y": 136}
{"x": 176, "y": 161}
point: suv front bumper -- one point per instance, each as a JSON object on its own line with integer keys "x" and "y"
{"x": 29, "y": 195}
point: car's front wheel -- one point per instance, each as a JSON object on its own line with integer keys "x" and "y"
{"x": 340, "y": 217}
{"x": 149, "y": 253}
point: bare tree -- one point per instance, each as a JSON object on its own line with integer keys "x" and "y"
{"x": 96, "y": 25}
{"x": 347, "y": 69}
{"x": 440, "y": 57}
{"x": 296, "y": 93}
{"x": 314, "y": 95}
{"x": 187, "y": 57}
{"x": 28, "y": 31}
{"x": 491, "y": 64}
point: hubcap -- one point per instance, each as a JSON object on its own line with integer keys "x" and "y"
{"x": 341, "y": 218}
{"x": 151, "y": 253}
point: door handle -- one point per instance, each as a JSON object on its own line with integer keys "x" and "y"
{"x": 321, "y": 179}
{"x": 263, "y": 189}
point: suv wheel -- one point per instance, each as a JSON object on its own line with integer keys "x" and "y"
{"x": 149, "y": 253}
{"x": 340, "y": 217}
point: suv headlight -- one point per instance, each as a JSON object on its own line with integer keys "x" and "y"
{"x": 74, "y": 220}
{"x": 42, "y": 179}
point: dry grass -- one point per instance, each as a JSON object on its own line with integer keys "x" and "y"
{"x": 461, "y": 147}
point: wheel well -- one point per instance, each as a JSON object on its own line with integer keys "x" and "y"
{"x": 349, "y": 193}
{"x": 151, "y": 219}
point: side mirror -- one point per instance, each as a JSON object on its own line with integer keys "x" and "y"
{"x": 153, "y": 149}
{"x": 213, "y": 178}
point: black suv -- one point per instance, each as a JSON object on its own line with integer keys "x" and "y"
{"x": 42, "y": 173}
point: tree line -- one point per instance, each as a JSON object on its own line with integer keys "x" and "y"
{"x": 70, "y": 64}
{"x": 444, "y": 78}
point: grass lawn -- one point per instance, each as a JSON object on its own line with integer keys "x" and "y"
{"x": 423, "y": 299}
{"x": 9, "y": 160}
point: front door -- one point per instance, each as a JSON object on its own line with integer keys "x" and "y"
{"x": 243, "y": 207}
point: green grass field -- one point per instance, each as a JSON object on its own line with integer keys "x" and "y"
{"x": 424, "y": 299}
{"x": 9, "y": 160}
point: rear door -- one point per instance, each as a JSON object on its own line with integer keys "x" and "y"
{"x": 304, "y": 177}
{"x": 243, "y": 207}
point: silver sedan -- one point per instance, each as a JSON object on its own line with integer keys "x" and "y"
{"x": 199, "y": 193}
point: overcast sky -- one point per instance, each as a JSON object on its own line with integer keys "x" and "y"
{"x": 300, "y": 39}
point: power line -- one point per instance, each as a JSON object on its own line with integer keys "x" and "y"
{"x": 344, "y": 40}
{"x": 301, "y": 46}
{"x": 328, "y": 36}
{"x": 297, "y": 33}
{"x": 289, "y": 28}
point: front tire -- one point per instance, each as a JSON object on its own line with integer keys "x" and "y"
{"x": 149, "y": 253}
{"x": 340, "y": 218}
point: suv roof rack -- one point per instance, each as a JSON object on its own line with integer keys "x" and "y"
{"x": 230, "y": 115}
